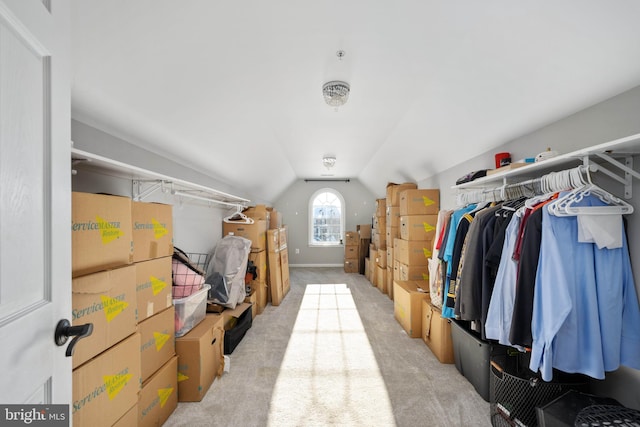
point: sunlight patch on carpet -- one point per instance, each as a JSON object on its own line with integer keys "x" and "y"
{"x": 329, "y": 374}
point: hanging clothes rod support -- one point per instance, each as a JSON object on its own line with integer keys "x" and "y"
{"x": 139, "y": 194}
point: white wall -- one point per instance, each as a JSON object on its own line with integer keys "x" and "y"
{"x": 615, "y": 118}
{"x": 294, "y": 205}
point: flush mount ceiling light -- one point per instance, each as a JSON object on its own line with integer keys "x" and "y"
{"x": 336, "y": 93}
{"x": 329, "y": 162}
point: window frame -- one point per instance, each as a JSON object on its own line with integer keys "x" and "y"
{"x": 314, "y": 196}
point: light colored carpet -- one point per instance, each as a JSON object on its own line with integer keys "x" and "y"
{"x": 332, "y": 354}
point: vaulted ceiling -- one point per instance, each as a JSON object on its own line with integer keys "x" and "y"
{"x": 233, "y": 88}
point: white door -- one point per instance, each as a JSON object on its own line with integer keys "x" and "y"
{"x": 35, "y": 200}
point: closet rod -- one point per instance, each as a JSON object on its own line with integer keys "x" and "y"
{"x": 205, "y": 199}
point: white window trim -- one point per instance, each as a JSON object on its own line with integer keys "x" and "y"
{"x": 313, "y": 244}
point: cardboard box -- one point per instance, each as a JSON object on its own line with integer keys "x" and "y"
{"x": 284, "y": 266}
{"x": 396, "y": 270}
{"x": 436, "y": 332}
{"x": 367, "y": 269}
{"x": 418, "y": 227}
{"x": 351, "y": 251}
{"x": 372, "y": 272}
{"x": 200, "y": 358}
{"x": 389, "y": 278}
{"x": 351, "y": 265}
{"x": 152, "y": 230}
{"x": 381, "y": 258}
{"x": 364, "y": 231}
{"x": 259, "y": 259}
{"x": 273, "y": 240}
{"x": 262, "y": 291}
{"x": 420, "y": 202}
{"x": 393, "y": 192}
{"x": 380, "y": 223}
{"x": 282, "y": 237}
{"x": 390, "y": 257}
{"x": 381, "y": 207}
{"x": 381, "y": 279}
{"x": 412, "y": 252}
{"x": 101, "y": 233}
{"x": 391, "y": 234}
{"x": 159, "y": 396}
{"x": 258, "y": 212}
{"x": 256, "y": 232}
{"x": 108, "y": 300}
{"x": 393, "y": 216}
{"x": 130, "y": 418}
{"x": 508, "y": 167}
{"x": 413, "y": 272}
{"x": 275, "y": 219}
{"x": 407, "y": 305}
{"x": 276, "y": 289}
{"x": 351, "y": 238}
{"x": 380, "y": 240}
{"x": 157, "y": 337}
{"x": 372, "y": 250}
{"x": 153, "y": 287}
{"x": 106, "y": 387}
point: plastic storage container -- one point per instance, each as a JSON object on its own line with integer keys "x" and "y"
{"x": 190, "y": 310}
{"x": 472, "y": 355}
{"x": 516, "y": 391}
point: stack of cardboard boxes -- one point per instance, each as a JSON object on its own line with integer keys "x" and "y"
{"x": 378, "y": 246}
{"x": 351, "y": 250}
{"x": 152, "y": 251}
{"x": 418, "y": 212}
{"x": 417, "y": 217}
{"x": 125, "y": 372}
{"x": 393, "y": 228}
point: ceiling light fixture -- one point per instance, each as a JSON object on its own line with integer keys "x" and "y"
{"x": 336, "y": 93}
{"x": 329, "y": 162}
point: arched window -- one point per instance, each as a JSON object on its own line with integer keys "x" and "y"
{"x": 326, "y": 218}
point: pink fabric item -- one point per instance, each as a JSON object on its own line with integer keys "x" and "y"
{"x": 185, "y": 280}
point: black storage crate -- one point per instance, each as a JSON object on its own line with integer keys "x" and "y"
{"x": 472, "y": 356}
{"x": 516, "y": 391}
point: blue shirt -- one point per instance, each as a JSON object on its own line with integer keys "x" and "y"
{"x": 586, "y": 312}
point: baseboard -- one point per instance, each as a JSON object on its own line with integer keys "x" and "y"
{"x": 316, "y": 265}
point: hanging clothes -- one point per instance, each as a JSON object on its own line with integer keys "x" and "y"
{"x": 586, "y": 313}
{"x": 447, "y": 256}
{"x": 435, "y": 264}
{"x": 500, "y": 310}
{"x": 468, "y": 303}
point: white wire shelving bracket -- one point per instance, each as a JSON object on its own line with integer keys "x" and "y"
{"x": 606, "y": 153}
{"x": 144, "y": 183}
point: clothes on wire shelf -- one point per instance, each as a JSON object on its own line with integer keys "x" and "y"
{"x": 558, "y": 285}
